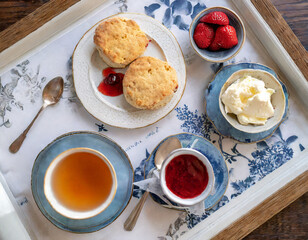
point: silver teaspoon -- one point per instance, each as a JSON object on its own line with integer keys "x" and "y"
{"x": 162, "y": 152}
{"x": 51, "y": 95}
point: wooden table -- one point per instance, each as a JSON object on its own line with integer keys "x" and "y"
{"x": 290, "y": 223}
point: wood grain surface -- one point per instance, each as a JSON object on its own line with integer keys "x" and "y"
{"x": 30, "y": 22}
{"x": 295, "y": 12}
{"x": 267, "y": 209}
{"x": 290, "y": 223}
{"x": 284, "y": 33}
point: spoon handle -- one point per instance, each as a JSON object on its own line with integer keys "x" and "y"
{"x": 14, "y": 147}
{"x": 134, "y": 215}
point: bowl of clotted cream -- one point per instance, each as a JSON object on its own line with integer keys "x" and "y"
{"x": 252, "y": 100}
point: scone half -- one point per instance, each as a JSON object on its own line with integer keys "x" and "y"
{"x": 149, "y": 83}
{"x": 119, "y": 41}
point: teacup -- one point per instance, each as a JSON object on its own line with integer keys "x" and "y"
{"x": 80, "y": 183}
{"x": 176, "y": 176}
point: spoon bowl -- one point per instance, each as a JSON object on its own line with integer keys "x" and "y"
{"x": 164, "y": 149}
{"x": 53, "y": 91}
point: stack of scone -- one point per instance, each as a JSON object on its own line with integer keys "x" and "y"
{"x": 149, "y": 83}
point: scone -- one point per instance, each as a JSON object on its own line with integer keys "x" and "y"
{"x": 119, "y": 41}
{"x": 149, "y": 83}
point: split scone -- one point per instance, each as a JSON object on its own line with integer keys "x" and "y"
{"x": 149, "y": 83}
{"x": 119, "y": 41}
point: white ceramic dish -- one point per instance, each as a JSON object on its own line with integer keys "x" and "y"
{"x": 115, "y": 111}
{"x": 188, "y": 201}
{"x": 277, "y": 100}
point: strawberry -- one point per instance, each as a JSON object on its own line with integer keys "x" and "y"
{"x": 225, "y": 37}
{"x": 203, "y": 35}
{"x": 219, "y": 18}
{"x": 214, "y": 46}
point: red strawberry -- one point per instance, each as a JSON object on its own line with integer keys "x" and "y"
{"x": 214, "y": 46}
{"x": 219, "y": 18}
{"x": 225, "y": 37}
{"x": 203, "y": 35}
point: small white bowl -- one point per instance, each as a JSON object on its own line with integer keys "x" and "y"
{"x": 58, "y": 206}
{"x": 277, "y": 99}
{"x": 188, "y": 201}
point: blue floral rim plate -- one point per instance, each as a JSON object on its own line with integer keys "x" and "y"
{"x": 115, "y": 154}
{"x": 214, "y": 156}
{"x": 215, "y": 115}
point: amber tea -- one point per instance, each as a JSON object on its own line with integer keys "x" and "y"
{"x": 81, "y": 181}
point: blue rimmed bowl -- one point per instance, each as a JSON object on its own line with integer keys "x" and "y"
{"x": 213, "y": 110}
{"x": 277, "y": 100}
{"x": 220, "y": 55}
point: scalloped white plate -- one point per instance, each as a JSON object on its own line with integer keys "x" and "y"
{"x": 115, "y": 111}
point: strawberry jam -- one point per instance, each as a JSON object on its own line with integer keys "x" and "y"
{"x": 107, "y": 71}
{"x": 112, "y": 83}
{"x": 148, "y": 43}
{"x": 186, "y": 176}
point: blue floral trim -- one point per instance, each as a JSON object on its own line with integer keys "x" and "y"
{"x": 139, "y": 175}
{"x": 21, "y": 74}
{"x": 122, "y": 5}
{"x": 69, "y": 92}
{"x": 101, "y": 127}
{"x": 265, "y": 159}
{"x": 192, "y": 219}
{"x": 175, "y": 12}
{"x": 32, "y": 84}
{"x": 195, "y": 123}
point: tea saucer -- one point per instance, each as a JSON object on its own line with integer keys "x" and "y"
{"x": 115, "y": 111}
{"x": 189, "y": 140}
{"x": 115, "y": 154}
{"x": 212, "y": 104}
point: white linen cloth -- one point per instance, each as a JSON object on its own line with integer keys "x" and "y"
{"x": 20, "y": 99}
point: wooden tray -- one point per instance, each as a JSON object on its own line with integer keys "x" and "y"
{"x": 267, "y": 10}
{"x": 271, "y": 203}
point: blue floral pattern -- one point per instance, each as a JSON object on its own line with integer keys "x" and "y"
{"x": 177, "y": 12}
{"x": 139, "y": 176}
{"x": 265, "y": 159}
{"x": 101, "y": 127}
{"x": 122, "y": 5}
{"x": 259, "y": 159}
{"x": 195, "y": 123}
{"x": 69, "y": 89}
{"x": 192, "y": 219}
{"x": 22, "y": 74}
{"x": 301, "y": 147}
